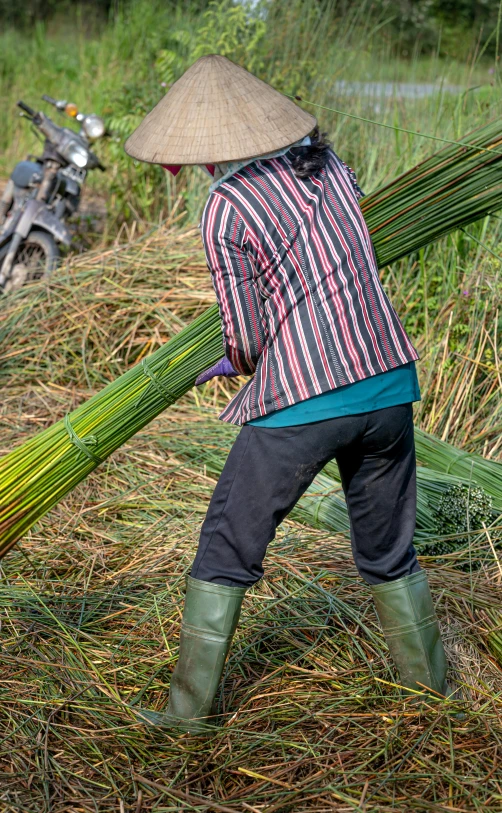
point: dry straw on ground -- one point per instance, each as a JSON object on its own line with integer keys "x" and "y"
{"x": 90, "y": 602}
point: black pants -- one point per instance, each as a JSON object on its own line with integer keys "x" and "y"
{"x": 268, "y": 470}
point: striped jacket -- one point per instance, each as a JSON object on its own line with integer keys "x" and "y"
{"x": 297, "y": 284}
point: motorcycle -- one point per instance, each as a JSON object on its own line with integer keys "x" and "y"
{"x": 42, "y": 193}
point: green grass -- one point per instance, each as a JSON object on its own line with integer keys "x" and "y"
{"x": 302, "y": 48}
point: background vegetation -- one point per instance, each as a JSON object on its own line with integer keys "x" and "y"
{"x": 410, "y": 18}
{"x": 122, "y": 67}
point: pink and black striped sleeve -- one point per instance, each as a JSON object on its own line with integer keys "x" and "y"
{"x": 233, "y": 275}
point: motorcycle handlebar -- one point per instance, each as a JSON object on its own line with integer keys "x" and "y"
{"x": 49, "y": 99}
{"x": 27, "y": 109}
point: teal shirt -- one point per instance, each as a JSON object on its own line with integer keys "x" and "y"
{"x": 397, "y": 386}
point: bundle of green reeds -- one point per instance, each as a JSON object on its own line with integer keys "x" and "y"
{"x": 323, "y": 504}
{"x": 452, "y": 509}
{"x": 455, "y": 186}
{"x": 41, "y": 471}
{"x": 442, "y": 457}
{"x": 451, "y": 188}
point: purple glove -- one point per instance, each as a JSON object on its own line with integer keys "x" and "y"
{"x": 222, "y": 367}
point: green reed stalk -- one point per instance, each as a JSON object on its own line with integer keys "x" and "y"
{"x": 451, "y": 188}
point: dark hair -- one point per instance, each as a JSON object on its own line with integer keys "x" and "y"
{"x": 310, "y": 160}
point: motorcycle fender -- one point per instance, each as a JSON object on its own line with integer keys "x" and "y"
{"x": 49, "y": 222}
{"x": 35, "y": 213}
{"x": 27, "y": 217}
{"x": 9, "y": 229}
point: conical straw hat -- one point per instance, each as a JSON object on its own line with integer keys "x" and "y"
{"x": 217, "y": 112}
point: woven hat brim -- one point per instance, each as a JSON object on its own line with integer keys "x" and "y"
{"x": 218, "y": 112}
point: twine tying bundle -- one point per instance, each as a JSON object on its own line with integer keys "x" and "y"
{"x": 82, "y": 444}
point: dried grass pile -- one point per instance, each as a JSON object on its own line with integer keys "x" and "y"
{"x": 90, "y": 601}
{"x": 90, "y": 612}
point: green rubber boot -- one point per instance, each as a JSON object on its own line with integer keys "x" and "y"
{"x": 210, "y": 617}
{"x": 411, "y": 629}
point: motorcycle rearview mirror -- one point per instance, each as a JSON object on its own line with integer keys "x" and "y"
{"x": 59, "y": 104}
{"x": 27, "y": 109}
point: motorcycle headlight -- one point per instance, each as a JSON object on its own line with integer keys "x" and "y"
{"x": 94, "y": 126}
{"x": 77, "y": 154}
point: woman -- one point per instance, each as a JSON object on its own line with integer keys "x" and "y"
{"x": 332, "y": 369}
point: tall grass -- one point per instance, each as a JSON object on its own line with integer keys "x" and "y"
{"x": 122, "y": 68}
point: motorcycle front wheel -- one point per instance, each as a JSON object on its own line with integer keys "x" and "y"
{"x": 36, "y": 259}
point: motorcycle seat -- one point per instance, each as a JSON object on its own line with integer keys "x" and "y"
{"x": 27, "y": 173}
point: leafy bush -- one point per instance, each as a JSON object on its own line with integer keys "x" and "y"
{"x": 448, "y": 21}
{"x": 238, "y": 32}
{"x": 225, "y": 29}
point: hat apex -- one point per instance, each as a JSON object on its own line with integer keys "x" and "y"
{"x": 217, "y": 112}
